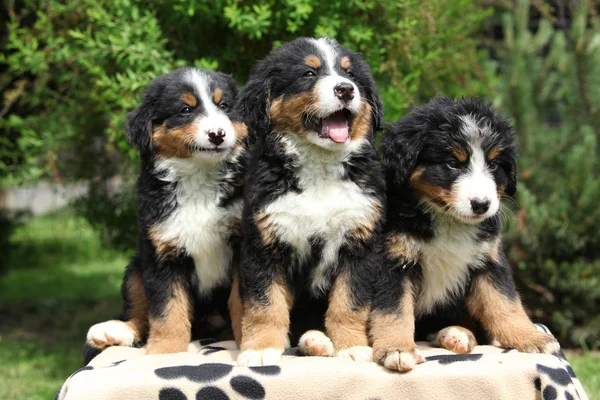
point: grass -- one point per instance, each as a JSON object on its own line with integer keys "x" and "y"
{"x": 58, "y": 281}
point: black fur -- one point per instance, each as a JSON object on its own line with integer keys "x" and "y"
{"x": 274, "y": 172}
{"x": 156, "y": 201}
{"x": 425, "y": 139}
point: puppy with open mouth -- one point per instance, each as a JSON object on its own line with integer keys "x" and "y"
{"x": 448, "y": 165}
{"x": 313, "y": 203}
{"x": 193, "y": 160}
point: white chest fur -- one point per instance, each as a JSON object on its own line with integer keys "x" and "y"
{"x": 327, "y": 207}
{"x": 446, "y": 262}
{"x": 198, "y": 225}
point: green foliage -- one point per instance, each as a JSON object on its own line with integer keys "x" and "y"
{"x": 59, "y": 280}
{"x": 73, "y": 69}
{"x": 550, "y": 83}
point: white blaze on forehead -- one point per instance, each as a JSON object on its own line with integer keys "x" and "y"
{"x": 475, "y": 130}
{"x": 477, "y": 181}
{"x": 328, "y": 102}
{"x": 328, "y": 52}
{"x": 213, "y": 117}
{"x": 201, "y": 83}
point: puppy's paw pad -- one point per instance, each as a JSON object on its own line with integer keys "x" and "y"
{"x": 315, "y": 343}
{"x": 257, "y": 358}
{"x": 357, "y": 353}
{"x": 402, "y": 361}
{"x": 456, "y": 339}
{"x": 110, "y": 333}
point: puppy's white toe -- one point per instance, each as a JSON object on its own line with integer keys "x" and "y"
{"x": 315, "y": 343}
{"x": 457, "y": 339}
{"x": 256, "y": 358}
{"x": 357, "y": 353}
{"x": 110, "y": 333}
{"x": 402, "y": 361}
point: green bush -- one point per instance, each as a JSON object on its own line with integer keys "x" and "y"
{"x": 72, "y": 70}
{"x": 550, "y": 84}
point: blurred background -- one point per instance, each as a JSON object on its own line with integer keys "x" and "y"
{"x": 71, "y": 70}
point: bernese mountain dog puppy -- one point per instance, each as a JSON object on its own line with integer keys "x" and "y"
{"x": 193, "y": 161}
{"x": 314, "y": 199}
{"x": 448, "y": 164}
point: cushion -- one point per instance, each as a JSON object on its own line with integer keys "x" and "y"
{"x": 208, "y": 371}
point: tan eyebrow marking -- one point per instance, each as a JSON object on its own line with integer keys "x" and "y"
{"x": 217, "y": 95}
{"x": 459, "y": 153}
{"x": 345, "y": 62}
{"x": 494, "y": 153}
{"x": 312, "y": 61}
{"x": 189, "y": 99}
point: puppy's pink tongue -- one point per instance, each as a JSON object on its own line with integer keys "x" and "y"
{"x": 336, "y": 127}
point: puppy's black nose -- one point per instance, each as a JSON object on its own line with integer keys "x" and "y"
{"x": 216, "y": 136}
{"x": 344, "y": 91}
{"x": 480, "y": 206}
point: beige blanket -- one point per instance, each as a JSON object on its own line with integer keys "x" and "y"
{"x": 208, "y": 371}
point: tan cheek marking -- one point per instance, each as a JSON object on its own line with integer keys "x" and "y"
{"x": 189, "y": 99}
{"x": 267, "y": 326}
{"x": 436, "y": 194}
{"x": 217, "y": 95}
{"x": 504, "y": 319}
{"x": 174, "y": 142}
{"x": 460, "y": 154}
{"x": 172, "y": 332}
{"x": 500, "y": 191}
{"x": 402, "y": 247}
{"x": 494, "y": 153}
{"x": 345, "y": 62}
{"x": 360, "y": 126}
{"x": 394, "y": 331}
{"x": 241, "y": 131}
{"x": 312, "y": 61}
{"x": 286, "y": 113}
{"x": 346, "y": 326}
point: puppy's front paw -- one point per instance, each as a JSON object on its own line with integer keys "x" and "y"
{"x": 110, "y": 333}
{"x": 538, "y": 342}
{"x": 257, "y": 358}
{"x": 457, "y": 339}
{"x": 315, "y": 343}
{"x": 400, "y": 360}
{"x": 356, "y": 353}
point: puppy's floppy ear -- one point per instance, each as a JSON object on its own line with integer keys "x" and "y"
{"x": 253, "y": 105}
{"x": 138, "y": 126}
{"x": 377, "y": 109}
{"x": 374, "y": 100}
{"x": 511, "y": 172}
{"x": 402, "y": 144}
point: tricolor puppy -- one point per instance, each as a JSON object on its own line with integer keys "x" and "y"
{"x": 314, "y": 200}
{"x": 193, "y": 155}
{"x": 448, "y": 165}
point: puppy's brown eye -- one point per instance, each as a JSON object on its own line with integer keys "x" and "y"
{"x": 224, "y": 106}
{"x": 309, "y": 74}
{"x": 350, "y": 73}
{"x": 185, "y": 111}
{"x": 452, "y": 164}
{"x": 492, "y": 165}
